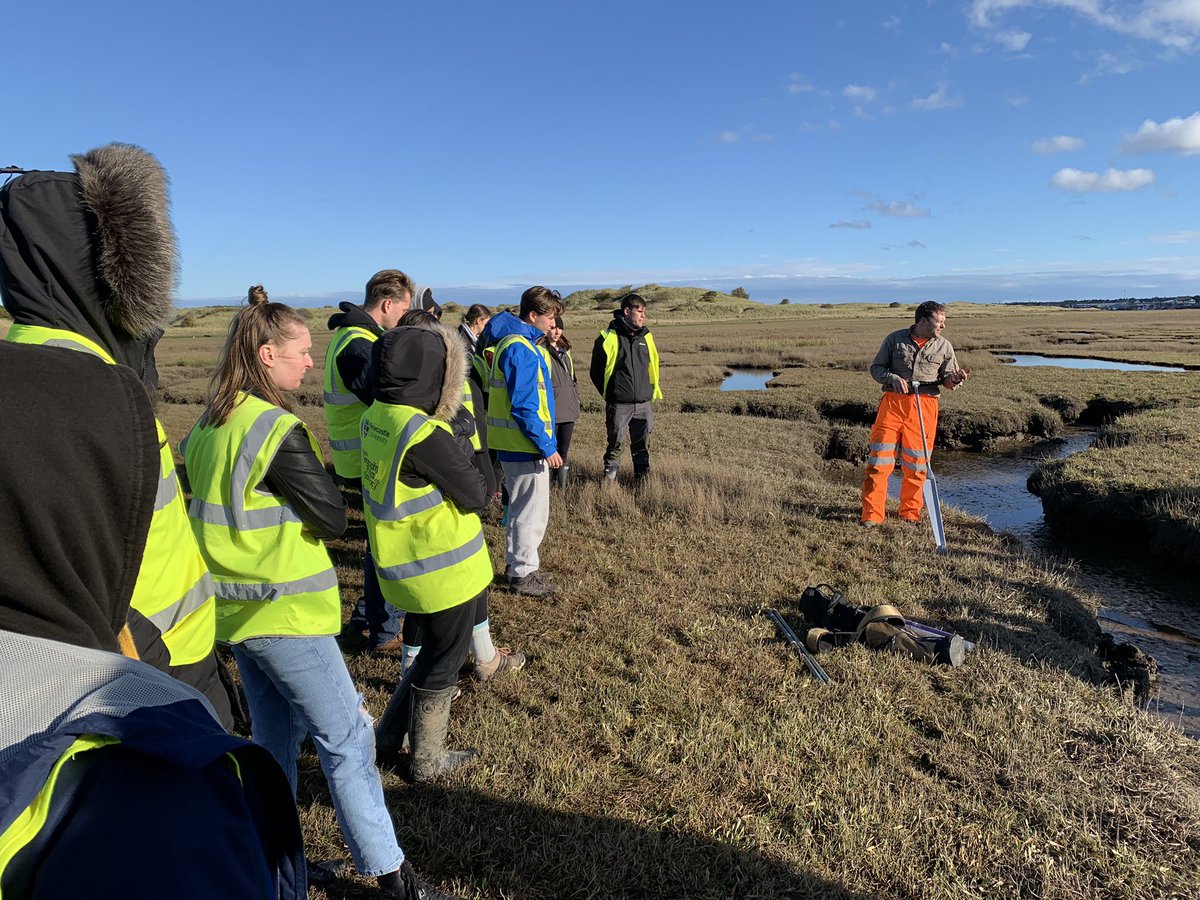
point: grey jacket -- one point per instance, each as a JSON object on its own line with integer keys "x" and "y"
{"x": 899, "y": 356}
{"x": 566, "y": 391}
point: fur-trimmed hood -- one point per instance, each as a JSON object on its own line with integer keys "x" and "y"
{"x": 421, "y": 367}
{"x": 92, "y": 251}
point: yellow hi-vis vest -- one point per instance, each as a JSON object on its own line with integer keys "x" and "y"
{"x": 272, "y": 576}
{"x": 173, "y": 589}
{"x": 429, "y": 554}
{"x": 503, "y": 431}
{"x": 343, "y": 410}
{"x": 610, "y": 361}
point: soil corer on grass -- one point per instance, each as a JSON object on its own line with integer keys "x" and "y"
{"x": 933, "y": 500}
{"x": 785, "y": 630}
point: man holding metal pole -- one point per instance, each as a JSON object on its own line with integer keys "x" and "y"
{"x": 912, "y": 365}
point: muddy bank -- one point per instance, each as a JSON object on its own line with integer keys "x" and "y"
{"x": 1153, "y": 519}
{"x": 1139, "y": 482}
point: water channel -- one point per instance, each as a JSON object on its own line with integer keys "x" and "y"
{"x": 1154, "y": 608}
{"x": 747, "y": 379}
{"x": 1081, "y": 362}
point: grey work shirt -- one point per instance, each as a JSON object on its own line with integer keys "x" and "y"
{"x": 899, "y": 356}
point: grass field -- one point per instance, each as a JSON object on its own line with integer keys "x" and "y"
{"x": 663, "y": 743}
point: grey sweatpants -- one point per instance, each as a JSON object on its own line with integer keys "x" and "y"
{"x": 528, "y": 483}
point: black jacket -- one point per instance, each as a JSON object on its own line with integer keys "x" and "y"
{"x": 630, "y": 381}
{"x": 300, "y": 478}
{"x": 93, "y": 252}
{"x": 353, "y": 363}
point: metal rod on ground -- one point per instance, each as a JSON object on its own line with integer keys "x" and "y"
{"x": 785, "y": 630}
{"x": 933, "y": 499}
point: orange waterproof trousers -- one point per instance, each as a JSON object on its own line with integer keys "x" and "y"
{"x": 896, "y": 434}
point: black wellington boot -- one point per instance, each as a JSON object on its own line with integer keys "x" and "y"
{"x": 560, "y": 476}
{"x": 428, "y": 723}
{"x": 391, "y": 731}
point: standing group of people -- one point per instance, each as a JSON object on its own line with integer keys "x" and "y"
{"x": 120, "y": 592}
{"x": 115, "y": 593}
{"x": 115, "y": 748}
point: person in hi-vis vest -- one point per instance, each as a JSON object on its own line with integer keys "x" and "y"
{"x": 261, "y": 504}
{"x": 347, "y": 394}
{"x": 88, "y": 263}
{"x": 118, "y": 780}
{"x": 520, "y": 420}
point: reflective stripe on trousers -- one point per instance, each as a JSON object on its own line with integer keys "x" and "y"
{"x": 896, "y": 436}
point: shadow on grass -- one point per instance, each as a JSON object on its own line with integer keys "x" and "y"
{"x": 499, "y": 848}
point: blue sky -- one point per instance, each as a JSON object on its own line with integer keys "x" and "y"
{"x": 973, "y": 150}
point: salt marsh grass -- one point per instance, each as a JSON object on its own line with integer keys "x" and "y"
{"x": 663, "y": 743}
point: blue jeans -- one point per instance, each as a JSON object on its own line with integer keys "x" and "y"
{"x": 297, "y": 686}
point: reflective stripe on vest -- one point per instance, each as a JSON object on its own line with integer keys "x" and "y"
{"x": 57, "y": 337}
{"x": 173, "y": 588}
{"x": 272, "y": 577}
{"x": 503, "y": 431}
{"x": 429, "y": 554}
{"x": 343, "y": 410}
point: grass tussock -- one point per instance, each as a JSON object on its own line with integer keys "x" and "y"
{"x": 662, "y": 742}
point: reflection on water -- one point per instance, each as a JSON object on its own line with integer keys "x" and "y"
{"x": 1156, "y": 610}
{"x": 1082, "y": 362}
{"x": 747, "y": 380}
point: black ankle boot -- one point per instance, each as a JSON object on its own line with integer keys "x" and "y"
{"x": 404, "y": 884}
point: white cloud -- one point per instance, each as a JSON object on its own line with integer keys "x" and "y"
{"x": 1170, "y": 23}
{"x": 939, "y": 99}
{"x": 1058, "y": 144}
{"x": 1079, "y": 182}
{"x": 892, "y": 23}
{"x": 982, "y": 10}
{"x": 898, "y": 208}
{"x": 1177, "y": 135}
{"x": 857, "y": 224}
{"x": 859, "y": 93}
{"x": 1014, "y": 99}
{"x": 1013, "y": 41}
{"x": 1178, "y": 237}
{"x": 1109, "y": 64}
{"x": 727, "y": 137}
{"x": 798, "y": 84}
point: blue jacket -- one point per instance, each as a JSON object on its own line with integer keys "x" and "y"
{"x": 520, "y": 368}
{"x": 162, "y": 812}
